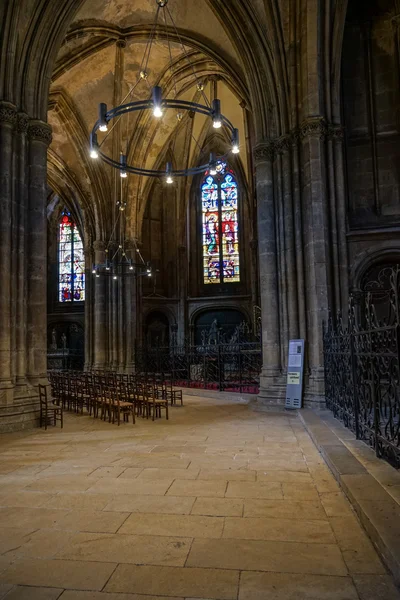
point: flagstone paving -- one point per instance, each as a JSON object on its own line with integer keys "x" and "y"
{"x": 221, "y": 502}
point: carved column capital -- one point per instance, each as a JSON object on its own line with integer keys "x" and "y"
{"x": 99, "y": 246}
{"x": 22, "y": 123}
{"x": 8, "y": 113}
{"x": 265, "y": 151}
{"x": 130, "y": 245}
{"x": 283, "y": 144}
{"x": 39, "y": 131}
{"x": 335, "y": 132}
{"x": 314, "y": 127}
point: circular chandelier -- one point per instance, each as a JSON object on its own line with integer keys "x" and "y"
{"x": 159, "y": 105}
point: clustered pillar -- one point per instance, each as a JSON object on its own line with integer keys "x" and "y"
{"x": 23, "y": 251}
{"x": 110, "y": 316}
{"x": 302, "y": 249}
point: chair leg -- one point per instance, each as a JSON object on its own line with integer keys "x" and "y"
{"x": 166, "y": 410}
{"x": 62, "y": 419}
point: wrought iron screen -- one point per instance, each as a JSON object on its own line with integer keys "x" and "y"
{"x": 362, "y": 366}
{"x": 223, "y": 367}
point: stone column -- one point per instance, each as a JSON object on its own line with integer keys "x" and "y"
{"x": 89, "y": 276}
{"x": 21, "y": 201}
{"x": 289, "y": 241}
{"x": 271, "y": 371}
{"x": 317, "y": 250}
{"x": 254, "y": 272}
{"x": 99, "y": 311}
{"x": 298, "y": 231}
{"x": 128, "y": 314}
{"x": 337, "y": 135}
{"x": 183, "y": 293}
{"x": 39, "y": 134}
{"x": 8, "y": 119}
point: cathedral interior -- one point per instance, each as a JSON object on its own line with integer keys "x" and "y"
{"x": 185, "y": 251}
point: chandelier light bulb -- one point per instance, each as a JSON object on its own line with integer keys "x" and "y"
{"x": 97, "y": 275}
{"x": 103, "y": 117}
{"x": 94, "y": 271}
{"x": 107, "y": 268}
{"x": 122, "y": 162}
{"x": 115, "y": 277}
{"x": 168, "y": 171}
{"x": 157, "y": 100}
{"x": 93, "y": 146}
{"x": 235, "y": 141}
{"x": 216, "y": 108}
{"x": 213, "y": 164}
{"x": 131, "y": 268}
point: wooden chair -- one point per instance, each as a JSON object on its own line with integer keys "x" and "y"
{"x": 142, "y": 400}
{"x": 121, "y": 405}
{"x": 49, "y": 409}
{"x": 173, "y": 395}
{"x": 155, "y": 405}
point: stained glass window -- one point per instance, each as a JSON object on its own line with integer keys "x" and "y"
{"x": 71, "y": 261}
{"x": 220, "y": 226}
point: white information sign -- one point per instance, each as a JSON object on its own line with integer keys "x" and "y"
{"x": 294, "y": 382}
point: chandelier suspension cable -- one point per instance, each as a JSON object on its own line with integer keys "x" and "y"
{"x": 200, "y": 87}
{"x": 149, "y": 46}
{"x": 143, "y": 69}
{"x": 170, "y": 57}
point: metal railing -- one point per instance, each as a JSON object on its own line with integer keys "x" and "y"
{"x": 222, "y": 367}
{"x": 362, "y": 367}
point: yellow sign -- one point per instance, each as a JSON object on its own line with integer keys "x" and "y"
{"x": 293, "y": 378}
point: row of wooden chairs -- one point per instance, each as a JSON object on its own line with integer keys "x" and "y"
{"x": 160, "y": 383}
{"x": 107, "y": 398}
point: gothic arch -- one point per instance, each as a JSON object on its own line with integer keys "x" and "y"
{"x": 380, "y": 253}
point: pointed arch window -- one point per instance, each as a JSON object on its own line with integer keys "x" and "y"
{"x": 220, "y": 226}
{"x": 71, "y": 261}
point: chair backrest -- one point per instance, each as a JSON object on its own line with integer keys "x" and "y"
{"x": 43, "y": 394}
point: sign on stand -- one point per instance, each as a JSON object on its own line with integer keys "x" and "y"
{"x": 294, "y": 384}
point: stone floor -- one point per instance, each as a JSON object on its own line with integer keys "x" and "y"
{"x": 221, "y": 502}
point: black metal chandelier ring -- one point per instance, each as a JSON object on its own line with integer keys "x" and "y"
{"x": 158, "y": 105}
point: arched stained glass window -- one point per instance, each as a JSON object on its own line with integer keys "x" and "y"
{"x": 71, "y": 261}
{"x": 219, "y": 203}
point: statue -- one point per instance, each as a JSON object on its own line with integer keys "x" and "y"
{"x": 213, "y": 334}
{"x": 53, "y": 340}
{"x": 64, "y": 341}
{"x": 235, "y": 336}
